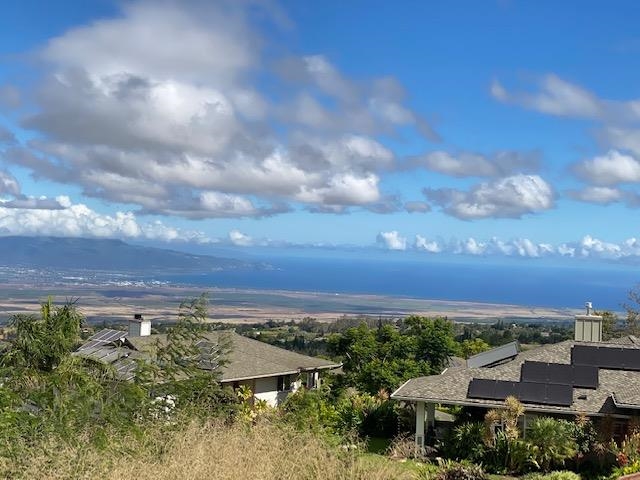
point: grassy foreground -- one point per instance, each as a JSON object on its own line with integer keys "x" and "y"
{"x": 211, "y": 451}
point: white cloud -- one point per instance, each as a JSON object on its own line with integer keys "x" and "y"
{"x": 417, "y": 207}
{"x": 622, "y": 138}
{"x": 392, "y": 240}
{"x": 467, "y": 164}
{"x": 509, "y": 197}
{"x": 555, "y": 97}
{"x": 78, "y": 220}
{"x": 240, "y": 239}
{"x": 599, "y": 195}
{"x": 8, "y": 184}
{"x": 588, "y": 247}
{"x": 610, "y": 169}
{"x": 592, "y": 247}
{"x": 427, "y": 245}
{"x": 162, "y": 107}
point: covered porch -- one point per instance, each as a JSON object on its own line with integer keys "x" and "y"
{"x": 429, "y": 423}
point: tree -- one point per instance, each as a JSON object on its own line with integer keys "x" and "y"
{"x": 473, "y": 347}
{"x": 609, "y": 323}
{"x": 377, "y": 359}
{"x": 632, "y": 307}
{"x": 435, "y": 340}
{"x": 41, "y": 344}
{"x": 384, "y": 357}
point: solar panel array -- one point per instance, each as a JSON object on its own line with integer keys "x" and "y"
{"x": 580, "y": 376}
{"x": 494, "y": 356}
{"x": 530, "y": 392}
{"x": 613, "y": 358}
{"x": 103, "y": 337}
{"x": 209, "y": 355}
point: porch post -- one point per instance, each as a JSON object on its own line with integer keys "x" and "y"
{"x": 431, "y": 415}
{"x": 420, "y": 423}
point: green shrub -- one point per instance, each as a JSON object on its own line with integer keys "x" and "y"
{"x": 626, "y": 470}
{"x": 509, "y": 455}
{"x": 466, "y": 442}
{"x": 558, "y": 475}
{"x": 310, "y": 409}
{"x": 461, "y": 471}
{"x": 552, "y": 440}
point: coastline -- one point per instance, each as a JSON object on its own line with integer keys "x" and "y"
{"x": 234, "y": 305}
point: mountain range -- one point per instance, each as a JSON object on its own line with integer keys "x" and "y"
{"x": 106, "y": 255}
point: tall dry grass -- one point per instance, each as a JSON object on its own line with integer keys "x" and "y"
{"x": 213, "y": 451}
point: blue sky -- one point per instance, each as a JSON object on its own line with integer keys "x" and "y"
{"x": 476, "y": 128}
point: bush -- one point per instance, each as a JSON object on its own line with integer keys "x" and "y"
{"x": 310, "y": 409}
{"x": 626, "y": 470}
{"x": 509, "y": 455}
{"x": 461, "y": 471}
{"x": 466, "y": 442}
{"x": 552, "y": 440}
{"x": 560, "y": 475}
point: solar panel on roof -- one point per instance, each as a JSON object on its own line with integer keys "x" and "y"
{"x": 533, "y": 372}
{"x": 613, "y": 358}
{"x": 531, "y": 392}
{"x": 584, "y": 355}
{"x": 560, "y": 373}
{"x": 576, "y": 375}
{"x": 609, "y": 357}
{"x": 103, "y": 337}
{"x": 585, "y": 376}
{"x": 557, "y": 394}
{"x": 108, "y": 335}
{"x": 481, "y": 388}
{"x": 504, "y": 389}
{"x": 631, "y": 357}
{"x": 494, "y": 356}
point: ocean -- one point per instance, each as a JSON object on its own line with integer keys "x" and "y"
{"x": 518, "y": 282}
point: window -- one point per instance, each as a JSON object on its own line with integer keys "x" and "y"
{"x": 284, "y": 383}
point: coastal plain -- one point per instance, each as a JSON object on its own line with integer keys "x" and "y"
{"x": 160, "y": 303}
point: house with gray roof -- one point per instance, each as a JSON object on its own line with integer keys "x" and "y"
{"x": 584, "y": 376}
{"x": 269, "y": 371}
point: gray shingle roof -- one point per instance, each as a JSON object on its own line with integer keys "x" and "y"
{"x": 451, "y": 387}
{"x": 248, "y": 358}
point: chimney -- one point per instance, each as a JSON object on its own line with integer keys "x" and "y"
{"x": 139, "y": 327}
{"x": 588, "y": 328}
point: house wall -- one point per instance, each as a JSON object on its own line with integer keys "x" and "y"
{"x": 267, "y": 389}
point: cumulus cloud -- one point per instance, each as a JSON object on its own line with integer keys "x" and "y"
{"x": 9, "y": 184}
{"x": 14, "y": 198}
{"x": 587, "y": 247}
{"x": 509, "y": 197}
{"x": 240, "y": 239}
{"x": 416, "y": 206}
{"x": 467, "y": 164}
{"x": 161, "y": 107}
{"x": 611, "y": 168}
{"x": 627, "y": 139}
{"x": 392, "y": 240}
{"x": 78, "y": 220}
{"x": 555, "y": 96}
{"x": 617, "y": 130}
{"x": 427, "y": 245}
{"x": 599, "y": 195}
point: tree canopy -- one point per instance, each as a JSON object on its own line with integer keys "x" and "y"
{"x": 383, "y": 358}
